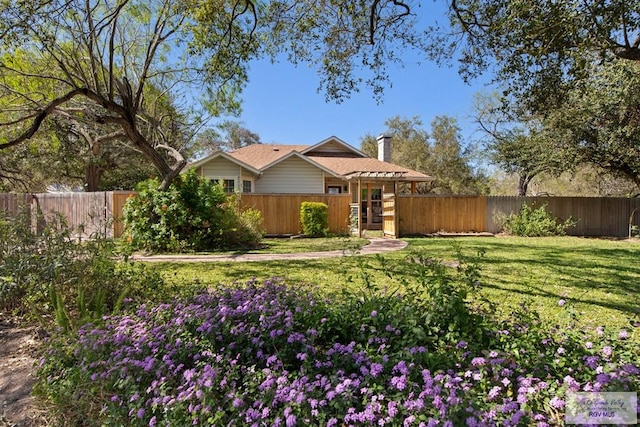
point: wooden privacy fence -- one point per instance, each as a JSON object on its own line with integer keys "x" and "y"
{"x": 417, "y": 214}
{"x": 281, "y": 212}
{"x": 423, "y": 214}
{"x": 10, "y": 203}
{"x": 86, "y": 213}
{"x": 596, "y": 216}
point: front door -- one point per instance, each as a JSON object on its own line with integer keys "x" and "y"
{"x": 371, "y": 208}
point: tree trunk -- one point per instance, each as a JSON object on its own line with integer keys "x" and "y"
{"x": 523, "y": 185}
{"x": 93, "y": 174}
{"x": 167, "y": 173}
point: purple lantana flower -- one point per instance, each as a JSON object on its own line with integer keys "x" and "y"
{"x": 556, "y": 402}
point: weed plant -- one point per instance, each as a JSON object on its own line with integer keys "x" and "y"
{"x": 46, "y": 274}
{"x": 400, "y": 353}
{"x": 530, "y": 222}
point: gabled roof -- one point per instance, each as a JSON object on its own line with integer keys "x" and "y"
{"x": 336, "y": 141}
{"x": 261, "y": 155}
{"x": 338, "y": 159}
{"x": 224, "y": 155}
{"x": 303, "y": 158}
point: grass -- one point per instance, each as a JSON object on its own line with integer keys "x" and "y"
{"x": 287, "y": 245}
{"x": 317, "y": 244}
{"x": 600, "y": 279}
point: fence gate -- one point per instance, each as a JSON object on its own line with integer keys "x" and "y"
{"x": 389, "y": 218}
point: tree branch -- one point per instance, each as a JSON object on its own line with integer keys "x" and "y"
{"x": 41, "y": 116}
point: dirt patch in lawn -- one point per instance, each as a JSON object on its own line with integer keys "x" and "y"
{"x": 18, "y": 352}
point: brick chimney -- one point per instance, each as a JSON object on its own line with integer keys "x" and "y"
{"x": 384, "y": 148}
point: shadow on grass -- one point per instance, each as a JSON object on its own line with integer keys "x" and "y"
{"x": 629, "y": 308}
{"x": 600, "y": 274}
{"x": 322, "y": 271}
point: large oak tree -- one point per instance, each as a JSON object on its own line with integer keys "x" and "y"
{"x": 107, "y": 53}
{"x": 572, "y": 66}
{"x": 539, "y": 48}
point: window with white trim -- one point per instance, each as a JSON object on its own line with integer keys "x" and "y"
{"x": 246, "y": 186}
{"x": 228, "y": 183}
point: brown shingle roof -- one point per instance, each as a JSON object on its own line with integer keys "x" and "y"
{"x": 347, "y": 166}
{"x": 261, "y": 155}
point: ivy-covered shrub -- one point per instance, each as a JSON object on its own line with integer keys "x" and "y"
{"x": 194, "y": 214}
{"x": 314, "y": 217}
{"x": 48, "y": 274}
{"x": 530, "y": 222}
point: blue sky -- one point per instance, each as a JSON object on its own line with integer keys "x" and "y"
{"x": 282, "y": 105}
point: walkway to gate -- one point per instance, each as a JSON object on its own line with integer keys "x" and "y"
{"x": 376, "y": 246}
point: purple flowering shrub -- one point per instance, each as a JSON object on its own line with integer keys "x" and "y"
{"x": 276, "y": 354}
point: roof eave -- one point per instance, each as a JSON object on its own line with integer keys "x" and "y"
{"x": 306, "y": 159}
{"x": 226, "y": 156}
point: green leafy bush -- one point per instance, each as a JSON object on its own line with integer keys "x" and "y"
{"x": 530, "y": 222}
{"x": 194, "y": 214}
{"x": 314, "y": 217}
{"x": 245, "y": 228}
{"x": 48, "y": 274}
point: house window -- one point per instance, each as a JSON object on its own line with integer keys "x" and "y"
{"x": 246, "y": 186}
{"x": 229, "y": 185}
{"x": 334, "y": 189}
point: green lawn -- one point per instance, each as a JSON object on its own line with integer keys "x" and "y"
{"x": 287, "y": 245}
{"x": 600, "y": 279}
{"x": 319, "y": 244}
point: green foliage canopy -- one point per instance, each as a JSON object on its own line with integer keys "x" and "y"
{"x": 538, "y": 48}
{"x": 600, "y": 120}
{"x": 109, "y": 53}
{"x": 525, "y": 147}
{"x": 569, "y": 65}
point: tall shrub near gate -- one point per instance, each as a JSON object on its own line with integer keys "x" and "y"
{"x": 193, "y": 214}
{"x": 314, "y": 217}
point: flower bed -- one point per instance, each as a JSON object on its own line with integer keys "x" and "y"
{"x": 273, "y": 354}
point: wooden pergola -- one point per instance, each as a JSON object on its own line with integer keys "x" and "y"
{"x": 388, "y": 183}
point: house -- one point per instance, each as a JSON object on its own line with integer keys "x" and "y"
{"x": 328, "y": 167}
